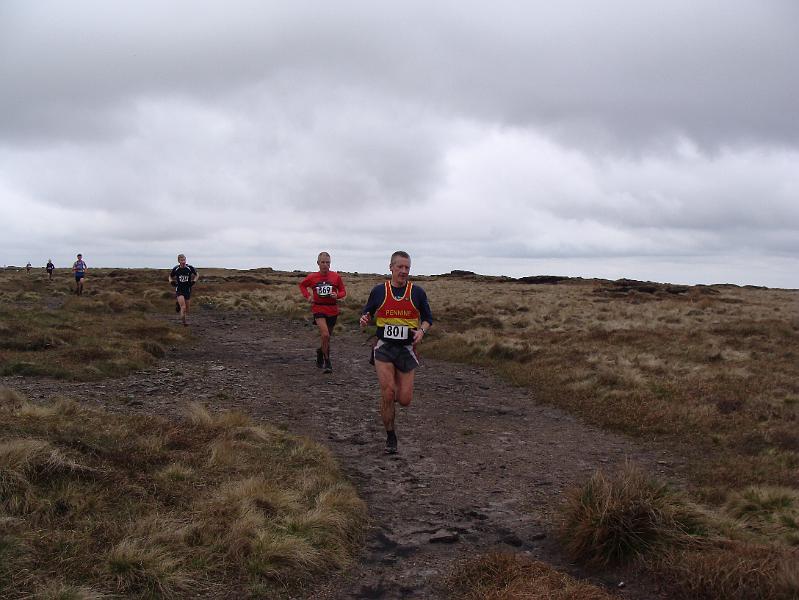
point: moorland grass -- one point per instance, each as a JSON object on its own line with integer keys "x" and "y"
{"x": 95, "y": 505}
{"x": 710, "y": 371}
{"x": 632, "y": 518}
{"x": 730, "y": 569}
{"x": 505, "y": 576}
{"x": 108, "y": 332}
{"x": 771, "y": 512}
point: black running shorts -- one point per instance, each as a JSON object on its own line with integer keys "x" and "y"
{"x": 331, "y": 321}
{"x": 401, "y": 356}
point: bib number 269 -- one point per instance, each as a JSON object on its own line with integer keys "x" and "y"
{"x": 396, "y": 332}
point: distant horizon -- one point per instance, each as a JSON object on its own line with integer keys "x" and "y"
{"x": 512, "y": 273}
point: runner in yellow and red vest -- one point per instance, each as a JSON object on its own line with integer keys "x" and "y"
{"x": 402, "y": 315}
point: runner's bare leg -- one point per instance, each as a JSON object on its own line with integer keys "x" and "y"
{"x": 184, "y": 309}
{"x": 395, "y": 386}
{"x": 324, "y": 335}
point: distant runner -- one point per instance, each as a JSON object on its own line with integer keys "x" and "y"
{"x": 183, "y": 277}
{"x": 326, "y": 289}
{"x": 50, "y": 268}
{"x": 402, "y": 315}
{"x": 79, "y": 268}
{"x": 28, "y": 268}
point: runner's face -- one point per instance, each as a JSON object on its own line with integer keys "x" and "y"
{"x": 399, "y": 270}
{"x": 182, "y": 261}
{"x": 324, "y": 264}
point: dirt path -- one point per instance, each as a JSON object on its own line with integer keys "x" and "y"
{"x": 481, "y": 465}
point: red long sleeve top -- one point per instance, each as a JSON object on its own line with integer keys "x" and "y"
{"x": 321, "y": 286}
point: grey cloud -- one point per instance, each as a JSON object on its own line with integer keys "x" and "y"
{"x": 718, "y": 72}
{"x": 352, "y": 152}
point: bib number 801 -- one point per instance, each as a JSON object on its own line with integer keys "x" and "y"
{"x": 395, "y": 332}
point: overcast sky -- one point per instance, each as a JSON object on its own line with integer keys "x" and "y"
{"x": 654, "y": 140}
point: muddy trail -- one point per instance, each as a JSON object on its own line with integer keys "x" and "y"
{"x": 480, "y": 466}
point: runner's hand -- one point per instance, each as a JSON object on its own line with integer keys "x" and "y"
{"x": 417, "y": 337}
{"x": 364, "y": 320}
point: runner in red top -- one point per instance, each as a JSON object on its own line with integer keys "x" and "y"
{"x": 326, "y": 288}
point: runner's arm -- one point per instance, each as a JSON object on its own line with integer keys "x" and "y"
{"x": 419, "y": 297}
{"x": 341, "y": 291}
{"x": 376, "y": 297}
{"x": 419, "y": 334}
{"x": 304, "y": 285}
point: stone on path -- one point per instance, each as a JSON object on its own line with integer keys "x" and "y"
{"x": 444, "y": 536}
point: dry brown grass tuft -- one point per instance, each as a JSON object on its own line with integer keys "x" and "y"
{"x": 270, "y": 554}
{"x": 24, "y": 463}
{"x": 615, "y": 520}
{"x": 176, "y": 472}
{"x": 731, "y": 570}
{"x": 145, "y": 569}
{"x": 697, "y": 554}
{"x": 232, "y": 422}
{"x": 59, "y": 406}
{"x": 10, "y": 398}
{"x": 61, "y": 591}
{"x": 772, "y": 512}
{"x": 199, "y": 416}
{"x": 97, "y": 503}
{"x": 503, "y": 576}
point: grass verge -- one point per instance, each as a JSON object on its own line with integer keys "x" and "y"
{"x": 109, "y": 332}
{"x": 697, "y": 554}
{"x": 94, "y": 504}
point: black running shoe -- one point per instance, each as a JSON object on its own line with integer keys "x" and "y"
{"x": 177, "y": 307}
{"x": 328, "y": 366}
{"x": 391, "y": 442}
{"x": 320, "y": 358}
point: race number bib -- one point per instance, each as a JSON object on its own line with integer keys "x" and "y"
{"x": 395, "y": 332}
{"x": 183, "y": 278}
{"x": 324, "y": 290}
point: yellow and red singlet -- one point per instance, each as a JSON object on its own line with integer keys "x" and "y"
{"x": 398, "y": 312}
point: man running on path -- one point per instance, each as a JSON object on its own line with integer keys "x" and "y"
{"x": 326, "y": 289}
{"x": 79, "y": 268}
{"x": 402, "y": 315}
{"x": 183, "y": 277}
{"x": 50, "y": 268}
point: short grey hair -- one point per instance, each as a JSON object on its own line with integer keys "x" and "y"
{"x": 400, "y": 253}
